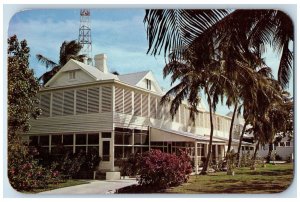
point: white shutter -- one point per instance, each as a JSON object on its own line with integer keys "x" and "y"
{"x": 81, "y": 101}
{"x": 144, "y": 105}
{"x": 68, "y": 106}
{"x": 93, "y": 100}
{"x": 57, "y": 103}
{"x": 45, "y": 104}
{"x": 137, "y": 104}
{"x": 106, "y": 99}
{"x": 153, "y": 107}
{"x": 119, "y": 100}
{"x": 159, "y": 111}
{"x": 127, "y": 102}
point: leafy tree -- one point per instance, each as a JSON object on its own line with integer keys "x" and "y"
{"x": 68, "y": 50}
{"x": 22, "y": 89}
{"x": 24, "y": 173}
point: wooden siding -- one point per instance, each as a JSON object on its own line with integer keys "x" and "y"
{"x": 75, "y": 123}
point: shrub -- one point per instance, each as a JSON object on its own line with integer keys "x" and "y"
{"x": 69, "y": 164}
{"x": 246, "y": 159}
{"x": 24, "y": 172}
{"x": 130, "y": 166}
{"x": 162, "y": 170}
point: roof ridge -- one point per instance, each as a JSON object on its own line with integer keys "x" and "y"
{"x": 135, "y": 72}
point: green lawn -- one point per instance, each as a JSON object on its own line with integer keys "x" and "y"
{"x": 67, "y": 183}
{"x": 271, "y": 179}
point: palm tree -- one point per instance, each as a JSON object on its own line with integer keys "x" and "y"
{"x": 68, "y": 50}
{"x": 193, "y": 77}
{"x": 173, "y": 30}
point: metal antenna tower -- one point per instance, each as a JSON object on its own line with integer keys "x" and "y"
{"x": 84, "y": 37}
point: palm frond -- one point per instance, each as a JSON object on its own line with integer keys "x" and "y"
{"x": 46, "y": 61}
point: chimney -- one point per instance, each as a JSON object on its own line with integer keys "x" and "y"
{"x": 85, "y": 60}
{"x": 100, "y": 62}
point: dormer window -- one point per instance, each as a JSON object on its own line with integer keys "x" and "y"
{"x": 148, "y": 84}
{"x": 72, "y": 74}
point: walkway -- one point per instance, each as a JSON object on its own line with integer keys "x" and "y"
{"x": 94, "y": 187}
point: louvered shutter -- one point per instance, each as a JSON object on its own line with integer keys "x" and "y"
{"x": 153, "y": 107}
{"x": 159, "y": 112}
{"x": 127, "y": 102}
{"x": 137, "y": 104}
{"x": 119, "y": 100}
{"x": 45, "y": 104}
{"x": 93, "y": 100}
{"x": 57, "y": 102}
{"x": 68, "y": 106}
{"x": 81, "y": 101}
{"x": 144, "y": 105}
{"x": 106, "y": 99}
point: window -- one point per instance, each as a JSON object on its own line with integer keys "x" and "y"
{"x": 288, "y": 144}
{"x": 80, "y": 139}
{"x": 106, "y": 135}
{"x": 282, "y": 144}
{"x": 148, "y": 84}
{"x": 68, "y": 139}
{"x": 44, "y": 140}
{"x": 72, "y": 74}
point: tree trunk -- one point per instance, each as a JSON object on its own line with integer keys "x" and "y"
{"x": 240, "y": 144}
{"x": 205, "y": 166}
{"x": 270, "y": 152}
{"x": 254, "y": 155}
{"x": 231, "y": 128}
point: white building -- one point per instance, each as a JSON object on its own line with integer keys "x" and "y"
{"x": 86, "y": 107}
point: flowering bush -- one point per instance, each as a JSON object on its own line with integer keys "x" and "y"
{"x": 24, "y": 172}
{"x": 162, "y": 170}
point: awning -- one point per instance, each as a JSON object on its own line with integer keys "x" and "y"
{"x": 167, "y": 135}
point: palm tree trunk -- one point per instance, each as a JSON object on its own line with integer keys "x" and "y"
{"x": 254, "y": 155}
{"x": 205, "y": 166}
{"x": 231, "y": 128}
{"x": 240, "y": 144}
{"x": 270, "y": 152}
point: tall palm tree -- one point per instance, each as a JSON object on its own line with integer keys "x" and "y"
{"x": 173, "y": 30}
{"x": 192, "y": 74}
{"x": 68, "y": 50}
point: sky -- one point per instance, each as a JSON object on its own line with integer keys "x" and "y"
{"x": 119, "y": 33}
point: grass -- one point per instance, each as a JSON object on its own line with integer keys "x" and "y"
{"x": 271, "y": 179}
{"x": 67, "y": 183}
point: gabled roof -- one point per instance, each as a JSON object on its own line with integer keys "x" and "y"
{"x": 92, "y": 71}
{"x": 133, "y": 78}
{"x": 96, "y": 73}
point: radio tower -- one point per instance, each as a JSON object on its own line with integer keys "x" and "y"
{"x": 84, "y": 37}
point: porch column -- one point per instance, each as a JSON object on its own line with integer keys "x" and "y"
{"x": 206, "y": 150}
{"x": 196, "y": 158}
